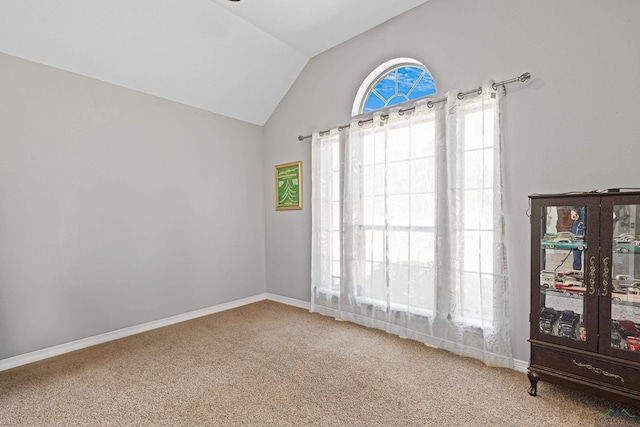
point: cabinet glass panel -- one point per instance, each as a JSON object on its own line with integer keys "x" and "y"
{"x": 625, "y": 279}
{"x": 562, "y": 286}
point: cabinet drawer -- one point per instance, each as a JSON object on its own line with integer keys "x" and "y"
{"x": 593, "y": 369}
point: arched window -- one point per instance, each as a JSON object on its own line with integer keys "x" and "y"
{"x": 396, "y": 81}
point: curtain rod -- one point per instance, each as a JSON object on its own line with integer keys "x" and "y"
{"x": 521, "y": 78}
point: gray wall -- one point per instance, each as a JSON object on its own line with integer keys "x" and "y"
{"x": 574, "y": 127}
{"x": 118, "y": 208}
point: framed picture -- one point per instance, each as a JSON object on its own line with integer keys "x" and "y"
{"x": 289, "y": 186}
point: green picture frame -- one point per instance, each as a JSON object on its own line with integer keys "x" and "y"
{"x": 288, "y": 186}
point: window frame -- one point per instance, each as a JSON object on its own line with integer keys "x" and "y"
{"x": 372, "y": 80}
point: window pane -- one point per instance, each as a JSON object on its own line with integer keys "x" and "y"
{"x": 426, "y": 86}
{"x": 368, "y": 150}
{"x": 399, "y": 145}
{"x": 478, "y": 168}
{"x": 398, "y": 178}
{"x": 421, "y": 289}
{"x": 478, "y": 251}
{"x": 473, "y": 130}
{"x": 369, "y": 186}
{"x": 423, "y": 140}
{"x": 373, "y": 180}
{"x": 398, "y": 246}
{"x": 374, "y": 245}
{"x": 478, "y": 209}
{"x": 398, "y": 99}
{"x": 399, "y": 210}
{"x": 375, "y": 285}
{"x": 399, "y": 283}
{"x": 335, "y": 265}
{"x": 335, "y": 243}
{"x": 374, "y": 210}
{"x": 477, "y": 298}
{"x": 486, "y": 252}
{"x": 423, "y": 175}
{"x": 423, "y": 210}
{"x": 335, "y": 157}
{"x": 407, "y": 78}
{"x": 335, "y": 215}
{"x": 487, "y": 168}
{"x": 471, "y": 296}
{"x": 487, "y": 210}
{"x": 422, "y": 248}
{"x": 379, "y": 148}
{"x": 486, "y": 281}
{"x": 387, "y": 85}
{"x": 478, "y": 129}
{"x": 373, "y": 103}
{"x": 335, "y": 186}
{"x": 471, "y": 250}
{"x": 402, "y": 83}
{"x": 473, "y": 209}
{"x": 473, "y": 169}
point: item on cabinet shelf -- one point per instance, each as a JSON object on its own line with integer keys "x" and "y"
{"x": 628, "y": 328}
{"x": 548, "y": 319}
{"x": 576, "y": 274}
{"x": 622, "y": 281}
{"x": 616, "y": 338}
{"x": 628, "y": 247}
{"x": 563, "y": 240}
{"x": 571, "y": 287}
{"x": 624, "y": 238}
{"x": 547, "y": 279}
{"x": 568, "y": 323}
{"x": 633, "y": 343}
{"x": 563, "y": 236}
{"x": 629, "y": 295}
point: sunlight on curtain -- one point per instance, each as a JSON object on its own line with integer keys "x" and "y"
{"x": 408, "y": 226}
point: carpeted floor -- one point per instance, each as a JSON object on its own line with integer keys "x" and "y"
{"x": 271, "y": 364}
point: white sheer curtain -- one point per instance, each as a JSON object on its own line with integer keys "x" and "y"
{"x": 408, "y": 225}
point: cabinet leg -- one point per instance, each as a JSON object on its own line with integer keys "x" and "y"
{"x": 533, "y": 379}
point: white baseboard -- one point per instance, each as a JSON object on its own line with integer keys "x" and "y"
{"x": 520, "y": 365}
{"x": 289, "y": 301}
{"x": 57, "y": 350}
{"x": 34, "y": 356}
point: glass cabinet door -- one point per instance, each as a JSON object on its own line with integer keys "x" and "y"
{"x": 567, "y": 269}
{"x": 622, "y": 273}
{"x": 563, "y": 244}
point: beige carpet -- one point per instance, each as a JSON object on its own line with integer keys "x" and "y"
{"x": 272, "y": 364}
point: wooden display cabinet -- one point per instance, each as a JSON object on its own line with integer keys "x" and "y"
{"x": 585, "y": 293}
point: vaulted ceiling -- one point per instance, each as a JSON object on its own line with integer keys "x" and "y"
{"x": 237, "y": 59}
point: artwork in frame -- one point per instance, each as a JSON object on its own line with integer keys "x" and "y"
{"x": 289, "y": 186}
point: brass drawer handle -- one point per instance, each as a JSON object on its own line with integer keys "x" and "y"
{"x": 598, "y": 370}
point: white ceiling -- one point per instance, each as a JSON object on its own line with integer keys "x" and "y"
{"x": 237, "y": 59}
